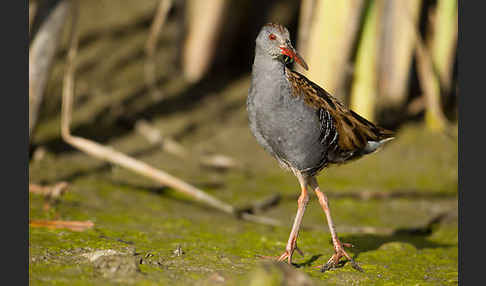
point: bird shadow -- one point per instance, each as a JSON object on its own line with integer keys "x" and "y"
{"x": 416, "y": 236}
{"x": 308, "y": 262}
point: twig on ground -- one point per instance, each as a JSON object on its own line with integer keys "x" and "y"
{"x": 154, "y": 136}
{"x": 218, "y": 161}
{"x": 51, "y": 192}
{"x": 59, "y": 224}
{"x": 262, "y": 205}
{"x": 39, "y": 153}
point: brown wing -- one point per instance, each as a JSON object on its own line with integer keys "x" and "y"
{"x": 354, "y": 131}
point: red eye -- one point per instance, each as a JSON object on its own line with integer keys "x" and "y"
{"x": 272, "y": 37}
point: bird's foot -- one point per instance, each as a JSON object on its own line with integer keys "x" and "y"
{"x": 281, "y": 258}
{"x": 339, "y": 252}
{"x": 286, "y": 256}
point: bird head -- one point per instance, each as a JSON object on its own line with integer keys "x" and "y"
{"x": 274, "y": 39}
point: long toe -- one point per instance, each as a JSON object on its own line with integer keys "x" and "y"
{"x": 334, "y": 262}
{"x": 355, "y": 265}
{"x": 282, "y": 258}
{"x": 331, "y": 263}
{"x": 285, "y": 256}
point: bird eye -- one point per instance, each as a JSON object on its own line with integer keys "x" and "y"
{"x": 272, "y": 37}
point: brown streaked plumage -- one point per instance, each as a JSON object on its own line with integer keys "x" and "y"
{"x": 354, "y": 131}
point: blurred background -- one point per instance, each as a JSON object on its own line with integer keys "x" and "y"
{"x": 165, "y": 82}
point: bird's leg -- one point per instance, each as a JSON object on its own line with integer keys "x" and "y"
{"x": 302, "y": 203}
{"x": 338, "y": 246}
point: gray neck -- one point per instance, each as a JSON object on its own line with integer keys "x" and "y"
{"x": 266, "y": 67}
{"x": 268, "y": 81}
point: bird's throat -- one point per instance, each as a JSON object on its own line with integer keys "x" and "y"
{"x": 269, "y": 82}
{"x": 264, "y": 63}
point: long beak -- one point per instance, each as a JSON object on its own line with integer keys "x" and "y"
{"x": 292, "y": 53}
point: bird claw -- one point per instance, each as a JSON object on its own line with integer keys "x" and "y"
{"x": 299, "y": 251}
{"x": 280, "y": 258}
{"x": 331, "y": 264}
{"x": 334, "y": 262}
{"x": 356, "y": 266}
{"x": 285, "y": 256}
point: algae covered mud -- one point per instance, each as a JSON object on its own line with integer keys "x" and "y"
{"x": 398, "y": 207}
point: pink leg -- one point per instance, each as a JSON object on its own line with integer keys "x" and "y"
{"x": 302, "y": 203}
{"x": 338, "y": 246}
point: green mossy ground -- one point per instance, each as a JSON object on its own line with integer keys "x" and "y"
{"x": 143, "y": 224}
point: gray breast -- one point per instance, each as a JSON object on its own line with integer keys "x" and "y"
{"x": 285, "y": 125}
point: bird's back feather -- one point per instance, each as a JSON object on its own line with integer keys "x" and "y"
{"x": 355, "y": 133}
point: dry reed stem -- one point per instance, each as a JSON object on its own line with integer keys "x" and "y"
{"x": 157, "y": 23}
{"x": 430, "y": 84}
{"x": 396, "y": 51}
{"x": 428, "y": 80}
{"x": 365, "y": 82}
{"x": 206, "y": 19}
{"x": 444, "y": 40}
{"x": 334, "y": 27}
{"x": 41, "y": 55}
{"x": 306, "y": 18}
{"x": 159, "y": 20}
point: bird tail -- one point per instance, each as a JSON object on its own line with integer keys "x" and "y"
{"x": 373, "y": 146}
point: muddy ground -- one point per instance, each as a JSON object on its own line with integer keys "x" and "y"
{"x": 146, "y": 234}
